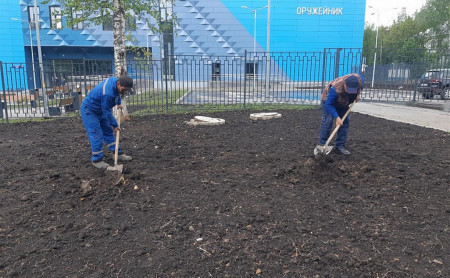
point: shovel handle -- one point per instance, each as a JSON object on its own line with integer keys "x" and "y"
{"x": 337, "y": 127}
{"x": 116, "y": 151}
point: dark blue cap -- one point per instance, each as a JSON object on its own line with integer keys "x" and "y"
{"x": 352, "y": 83}
{"x": 127, "y": 82}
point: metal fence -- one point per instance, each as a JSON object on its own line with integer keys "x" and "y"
{"x": 59, "y": 94}
{"x": 184, "y": 83}
{"x": 396, "y": 74}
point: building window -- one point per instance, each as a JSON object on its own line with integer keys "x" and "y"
{"x": 31, "y": 18}
{"x": 79, "y": 25}
{"x": 251, "y": 69}
{"x": 98, "y": 67}
{"x": 107, "y": 23}
{"x": 166, "y": 10}
{"x": 55, "y": 17}
{"x": 130, "y": 24}
{"x": 216, "y": 71}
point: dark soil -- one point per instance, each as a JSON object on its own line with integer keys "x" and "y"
{"x": 245, "y": 199}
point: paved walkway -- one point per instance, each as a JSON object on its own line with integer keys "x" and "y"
{"x": 435, "y": 116}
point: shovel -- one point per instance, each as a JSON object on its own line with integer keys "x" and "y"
{"x": 325, "y": 149}
{"x": 117, "y": 167}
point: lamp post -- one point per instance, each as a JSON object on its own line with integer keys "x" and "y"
{"x": 147, "y": 34}
{"x": 32, "y": 51}
{"x": 268, "y": 50}
{"x": 36, "y": 19}
{"x": 254, "y": 40}
{"x": 376, "y": 44}
{"x": 377, "y": 12}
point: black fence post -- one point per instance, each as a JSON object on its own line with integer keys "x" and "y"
{"x": 84, "y": 78}
{"x": 324, "y": 66}
{"x": 3, "y": 104}
{"x": 415, "y": 91}
{"x": 166, "y": 71}
{"x": 337, "y": 61}
{"x": 245, "y": 79}
{"x": 161, "y": 87}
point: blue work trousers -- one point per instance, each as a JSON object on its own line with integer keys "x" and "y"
{"x": 98, "y": 130}
{"x": 327, "y": 125}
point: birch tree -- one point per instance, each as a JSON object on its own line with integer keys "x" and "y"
{"x": 98, "y": 12}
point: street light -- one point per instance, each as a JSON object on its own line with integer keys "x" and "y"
{"x": 254, "y": 40}
{"x": 376, "y": 41}
{"x": 268, "y": 50}
{"x": 376, "y": 44}
{"x": 31, "y": 47}
{"x": 41, "y": 66}
{"x": 147, "y": 34}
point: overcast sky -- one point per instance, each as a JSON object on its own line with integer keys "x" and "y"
{"x": 389, "y": 9}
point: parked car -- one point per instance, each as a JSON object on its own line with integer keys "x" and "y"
{"x": 435, "y": 82}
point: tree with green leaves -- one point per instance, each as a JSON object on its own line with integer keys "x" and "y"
{"x": 433, "y": 22}
{"x": 369, "y": 42}
{"x": 100, "y": 11}
{"x": 411, "y": 37}
{"x": 403, "y": 36}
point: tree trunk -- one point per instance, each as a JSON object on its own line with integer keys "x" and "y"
{"x": 120, "y": 57}
{"x": 119, "y": 39}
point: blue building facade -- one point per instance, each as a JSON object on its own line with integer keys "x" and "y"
{"x": 208, "y": 28}
{"x": 12, "y": 44}
{"x": 11, "y": 33}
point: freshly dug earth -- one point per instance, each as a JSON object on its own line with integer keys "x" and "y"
{"x": 244, "y": 199}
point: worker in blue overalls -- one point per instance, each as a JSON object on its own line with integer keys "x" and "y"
{"x": 336, "y": 98}
{"x": 98, "y": 119}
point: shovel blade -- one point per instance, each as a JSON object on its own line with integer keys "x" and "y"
{"x": 118, "y": 168}
{"x": 322, "y": 150}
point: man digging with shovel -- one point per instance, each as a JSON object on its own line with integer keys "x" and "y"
{"x": 338, "y": 97}
{"x": 98, "y": 120}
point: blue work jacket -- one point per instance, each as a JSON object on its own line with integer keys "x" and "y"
{"x": 102, "y": 99}
{"x": 331, "y": 103}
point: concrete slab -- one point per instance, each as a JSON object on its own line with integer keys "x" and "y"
{"x": 431, "y": 118}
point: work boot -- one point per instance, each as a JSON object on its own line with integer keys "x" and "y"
{"x": 100, "y": 164}
{"x": 342, "y": 151}
{"x": 124, "y": 157}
